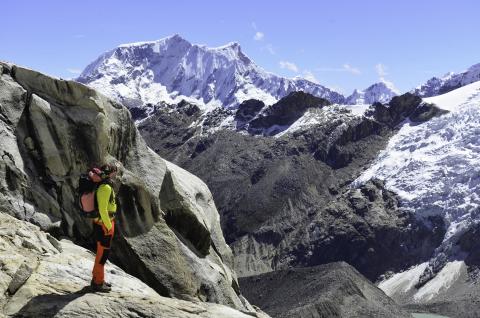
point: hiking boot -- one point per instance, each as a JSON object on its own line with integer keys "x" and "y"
{"x": 102, "y": 288}
{"x": 105, "y": 283}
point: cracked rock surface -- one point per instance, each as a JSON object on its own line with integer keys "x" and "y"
{"x": 55, "y": 284}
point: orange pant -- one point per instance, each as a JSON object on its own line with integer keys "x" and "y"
{"x": 104, "y": 243}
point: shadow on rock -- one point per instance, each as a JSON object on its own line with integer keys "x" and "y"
{"x": 48, "y": 305}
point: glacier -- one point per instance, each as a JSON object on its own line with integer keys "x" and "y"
{"x": 435, "y": 169}
{"x": 435, "y": 166}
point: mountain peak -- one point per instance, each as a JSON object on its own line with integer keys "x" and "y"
{"x": 381, "y": 92}
{"x": 171, "y": 40}
{"x": 172, "y": 68}
{"x": 232, "y": 50}
{"x": 231, "y": 45}
{"x": 388, "y": 85}
{"x": 450, "y": 81}
{"x": 176, "y": 36}
{"x": 474, "y": 68}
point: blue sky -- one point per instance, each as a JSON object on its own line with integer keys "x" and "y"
{"x": 342, "y": 44}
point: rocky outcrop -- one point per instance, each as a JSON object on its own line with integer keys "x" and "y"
{"x": 284, "y": 113}
{"x": 43, "y": 277}
{"x": 332, "y": 290}
{"x": 406, "y": 106}
{"x": 169, "y": 229}
{"x": 246, "y": 111}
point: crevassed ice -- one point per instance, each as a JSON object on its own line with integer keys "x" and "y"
{"x": 435, "y": 166}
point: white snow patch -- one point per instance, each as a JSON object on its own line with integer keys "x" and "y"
{"x": 308, "y": 119}
{"x": 358, "y": 109}
{"x": 402, "y": 282}
{"x": 227, "y": 123}
{"x": 251, "y": 92}
{"x": 456, "y": 98}
{"x": 441, "y": 282}
{"x": 314, "y": 117}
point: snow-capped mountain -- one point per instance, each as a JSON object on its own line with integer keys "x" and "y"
{"x": 436, "y": 86}
{"x": 379, "y": 92}
{"x": 172, "y": 69}
{"x": 435, "y": 168}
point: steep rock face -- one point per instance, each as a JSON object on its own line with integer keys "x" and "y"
{"x": 333, "y": 290}
{"x": 172, "y": 68}
{"x": 272, "y": 192}
{"x": 43, "y": 277}
{"x": 169, "y": 229}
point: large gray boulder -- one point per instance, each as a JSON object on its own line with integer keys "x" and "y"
{"x": 169, "y": 231}
{"x": 43, "y": 277}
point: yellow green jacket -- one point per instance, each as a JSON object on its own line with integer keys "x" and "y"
{"x": 106, "y": 204}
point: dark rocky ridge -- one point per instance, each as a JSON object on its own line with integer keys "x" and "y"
{"x": 273, "y": 194}
{"x": 332, "y": 290}
{"x": 402, "y": 107}
{"x": 284, "y": 113}
{"x": 246, "y": 111}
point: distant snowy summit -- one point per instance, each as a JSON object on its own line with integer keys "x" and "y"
{"x": 437, "y": 86}
{"x": 172, "y": 69}
{"x": 379, "y": 92}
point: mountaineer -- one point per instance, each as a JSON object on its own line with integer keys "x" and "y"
{"x": 103, "y": 226}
